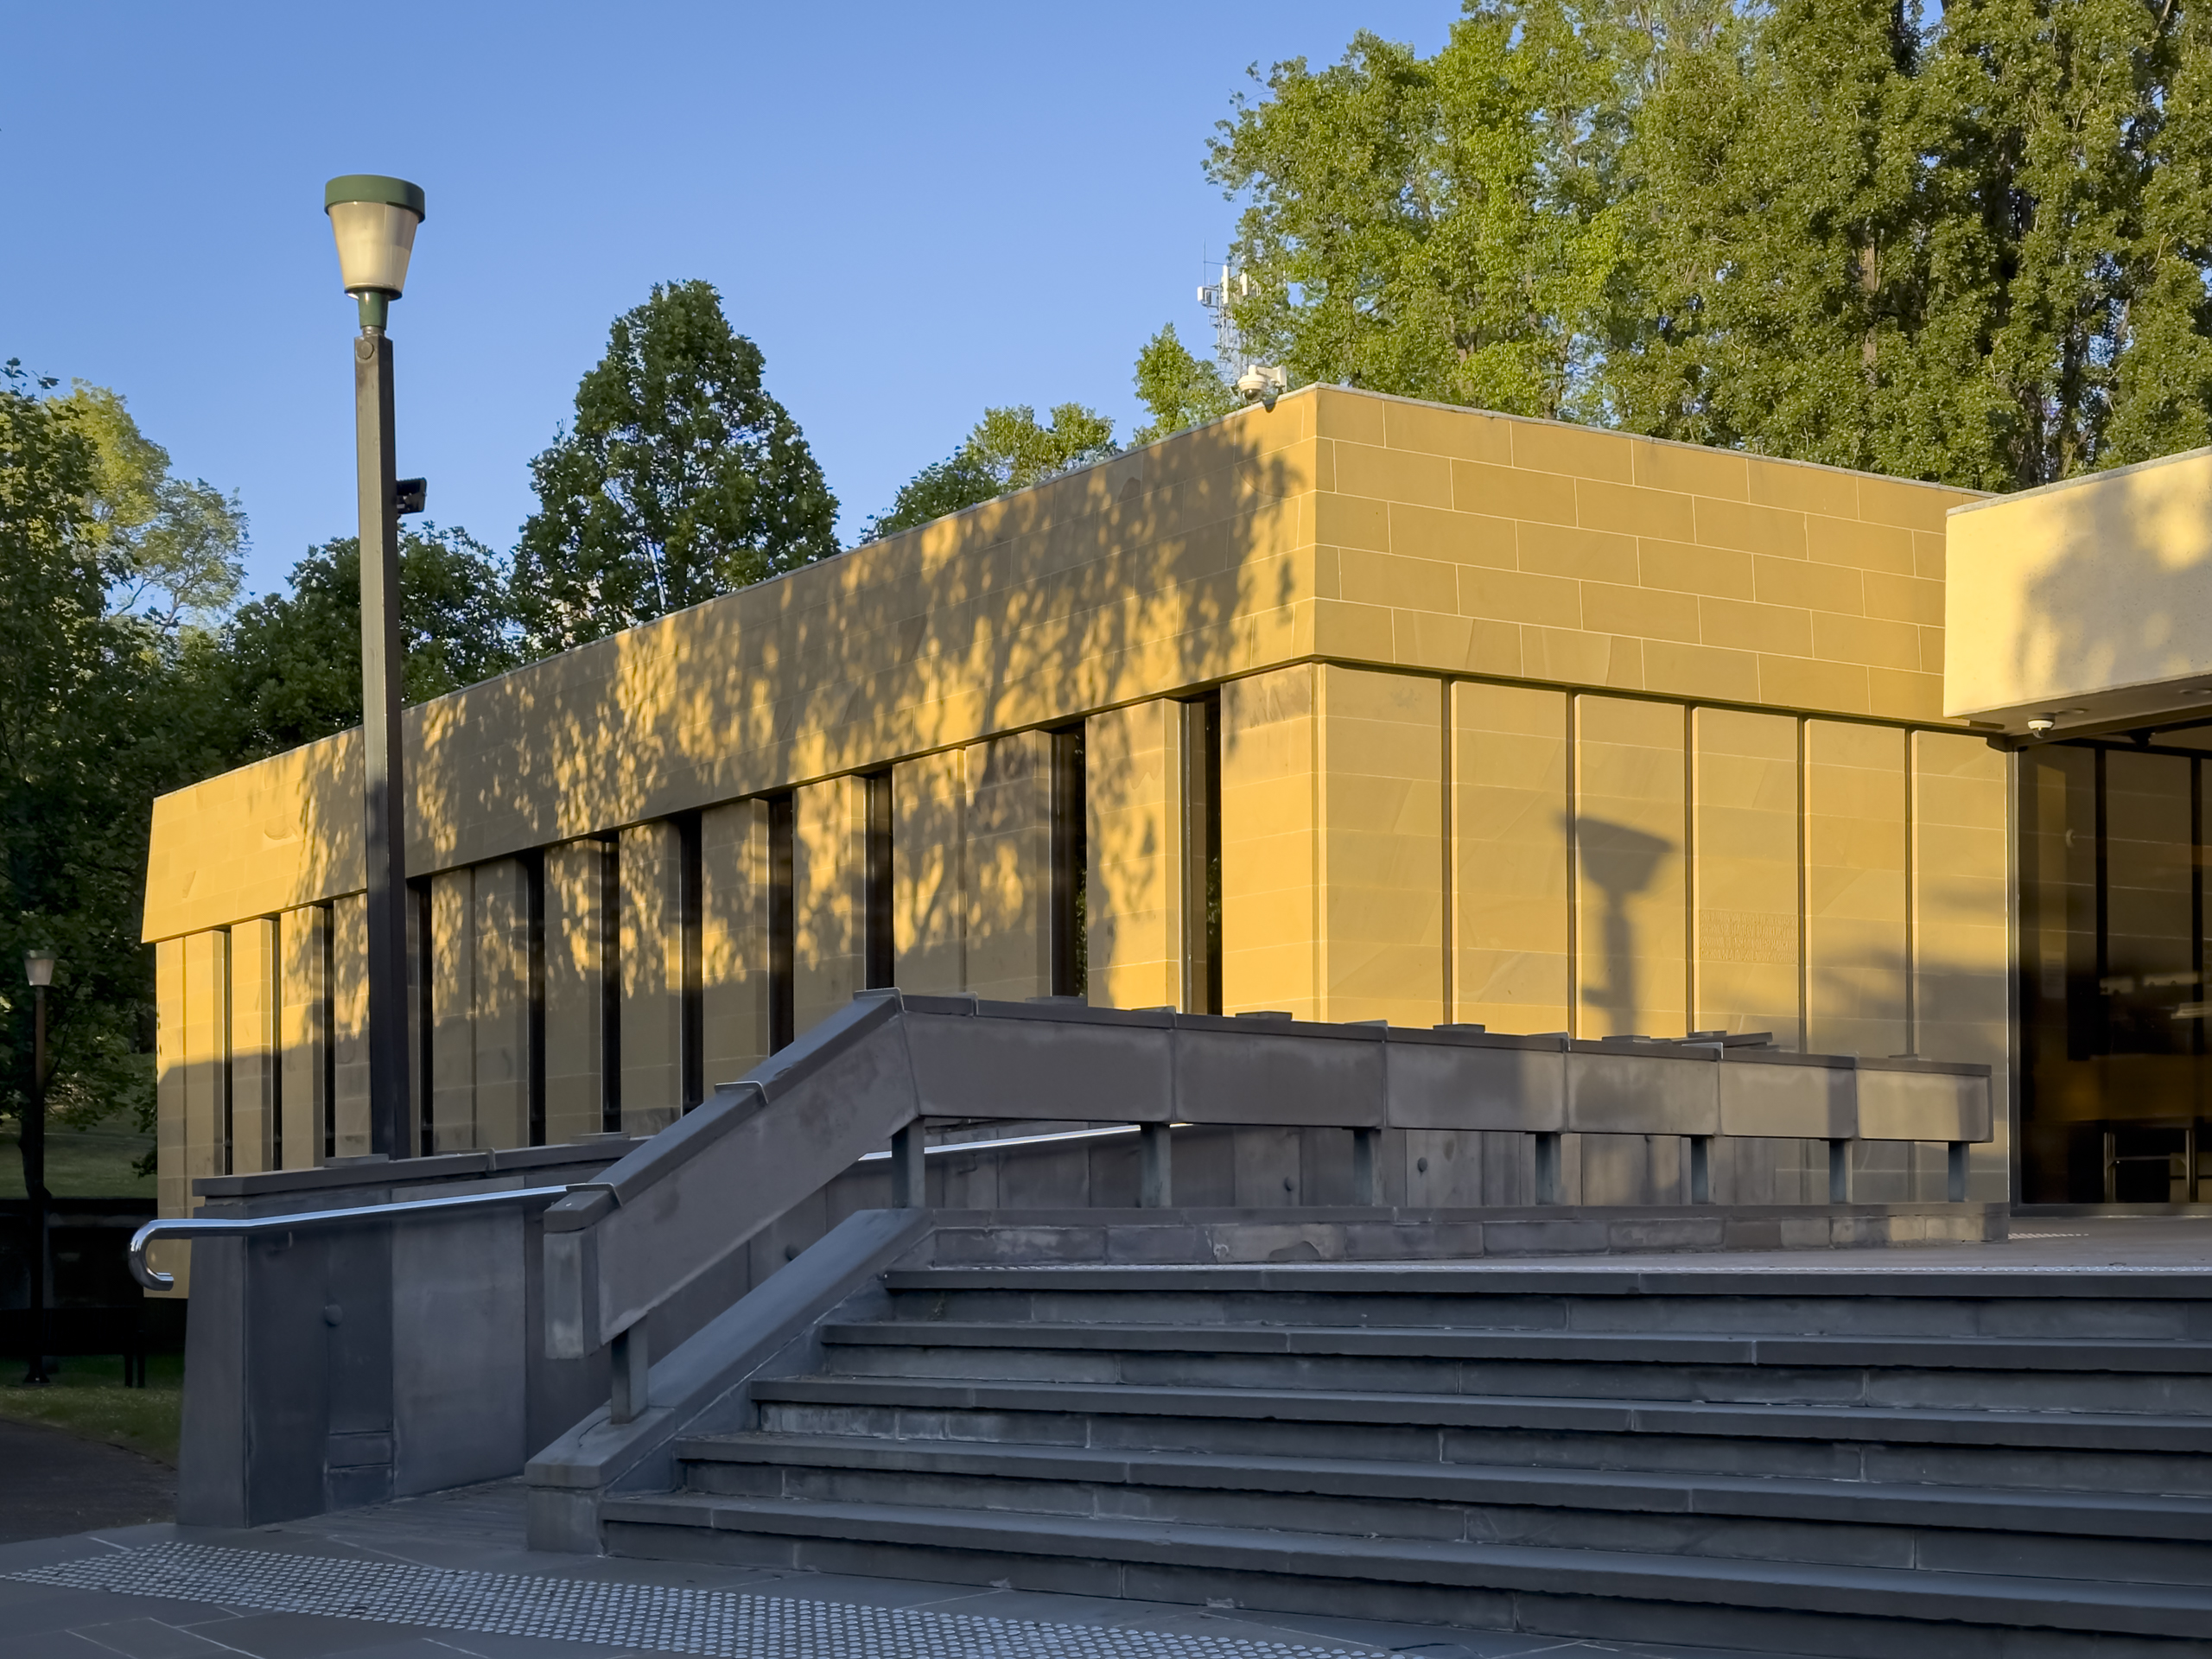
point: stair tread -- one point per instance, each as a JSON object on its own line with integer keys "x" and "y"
{"x": 1595, "y": 1278}
{"x": 2085, "y": 1603}
{"x": 2158, "y": 1430}
{"x": 1781, "y": 1496}
{"x": 1447, "y": 1342}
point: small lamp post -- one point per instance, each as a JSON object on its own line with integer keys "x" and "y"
{"x": 374, "y": 220}
{"x": 38, "y": 967}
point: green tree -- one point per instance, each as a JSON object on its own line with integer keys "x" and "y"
{"x": 1008, "y": 449}
{"x": 2162, "y": 391}
{"x": 1177, "y": 390}
{"x": 1777, "y": 260}
{"x": 1969, "y": 245}
{"x": 291, "y": 662}
{"x": 679, "y": 479}
{"x": 2052, "y": 115}
{"x": 173, "y": 546}
{"x": 105, "y": 707}
{"x": 1446, "y": 227}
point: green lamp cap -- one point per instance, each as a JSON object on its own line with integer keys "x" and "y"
{"x": 374, "y": 187}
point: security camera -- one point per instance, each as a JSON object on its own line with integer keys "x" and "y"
{"x": 2041, "y": 724}
{"x": 1262, "y": 383}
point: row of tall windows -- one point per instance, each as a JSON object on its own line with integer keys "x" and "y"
{"x": 1067, "y": 918}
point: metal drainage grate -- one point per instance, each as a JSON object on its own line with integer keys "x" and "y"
{"x": 662, "y": 1618}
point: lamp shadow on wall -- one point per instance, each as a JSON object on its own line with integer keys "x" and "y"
{"x": 1620, "y": 861}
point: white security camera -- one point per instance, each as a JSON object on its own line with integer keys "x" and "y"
{"x": 1262, "y": 383}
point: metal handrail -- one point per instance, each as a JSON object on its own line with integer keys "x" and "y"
{"x": 248, "y": 1226}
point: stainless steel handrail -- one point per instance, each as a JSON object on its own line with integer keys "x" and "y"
{"x": 248, "y": 1226}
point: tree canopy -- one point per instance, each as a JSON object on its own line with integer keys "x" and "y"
{"x": 1008, "y": 449}
{"x": 291, "y": 662}
{"x": 105, "y": 560}
{"x": 1974, "y": 247}
{"x": 1177, "y": 390}
{"x": 680, "y": 478}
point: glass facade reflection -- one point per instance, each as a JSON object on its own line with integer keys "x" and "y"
{"x": 2113, "y": 1086}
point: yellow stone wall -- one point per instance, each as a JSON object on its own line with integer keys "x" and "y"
{"x": 732, "y": 939}
{"x": 1136, "y": 853}
{"x": 576, "y": 896}
{"x": 499, "y": 919}
{"x": 253, "y": 1045}
{"x": 1008, "y": 829}
{"x": 830, "y": 900}
{"x": 1521, "y": 723}
{"x": 303, "y": 1037}
{"x": 929, "y": 881}
{"x": 651, "y": 952}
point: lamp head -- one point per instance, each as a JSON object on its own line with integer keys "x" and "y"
{"x": 38, "y": 967}
{"x": 373, "y": 219}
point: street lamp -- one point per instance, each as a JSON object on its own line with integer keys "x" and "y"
{"x": 38, "y": 967}
{"x": 374, "y": 219}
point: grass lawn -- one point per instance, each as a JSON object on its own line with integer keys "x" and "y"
{"x": 86, "y": 1397}
{"x": 94, "y": 1163}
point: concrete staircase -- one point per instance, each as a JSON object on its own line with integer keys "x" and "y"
{"x": 1888, "y": 1461}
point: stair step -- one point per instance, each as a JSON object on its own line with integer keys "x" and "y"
{"x": 2041, "y": 1430}
{"x": 2163, "y": 1307}
{"x": 2131, "y": 1516}
{"x": 1860, "y": 1279}
{"x": 1893, "y": 1594}
{"x": 1426, "y": 1342}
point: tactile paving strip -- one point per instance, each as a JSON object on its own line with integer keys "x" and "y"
{"x": 727, "y": 1625}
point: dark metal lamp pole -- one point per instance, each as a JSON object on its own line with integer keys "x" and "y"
{"x": 374, "y": 219}
{"x": 38, "y": 967}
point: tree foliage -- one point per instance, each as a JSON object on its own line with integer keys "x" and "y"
{"x": 172, "y": 546}
{"x": 1447, "y": 227}
{"x": 105, "y": 706}
{"x": 1178, "y": 391}
{"x": 1973, "y": 246}
{"x": 679, "y": 479}
{"x": 291, "y": 662}
{"x": 1008, "y": 449}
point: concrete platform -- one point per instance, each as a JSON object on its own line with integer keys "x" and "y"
{"x": 435, "y": 1577}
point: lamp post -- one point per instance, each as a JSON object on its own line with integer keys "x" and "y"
{"x": 38, "y": 967}
{"x": 374, "y": 219}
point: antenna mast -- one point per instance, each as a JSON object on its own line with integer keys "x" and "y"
{"x": 1228, "y": 339}
{"x": 1258, "y": 383}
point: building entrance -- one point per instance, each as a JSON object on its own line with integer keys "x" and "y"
{"x": 2116, "y": 1079}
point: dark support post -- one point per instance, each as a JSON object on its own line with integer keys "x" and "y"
{"x": 34, "y": 1149}
{"x": 1366, "y": 1167}
{"x": 1155, "y": 1166}
{"x": 1701, "y": 1169}
{"x": 1956, "y": 1190}
{"x": 910, "y": 1182}
{"x": 1547, "y": 1174}
{"x": 632, "y": 1372}
{"x": 1838, "y": 1172}
{"x": 383, "y": 786}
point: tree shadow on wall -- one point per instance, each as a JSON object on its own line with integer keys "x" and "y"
{"x": 1160, "y": 568}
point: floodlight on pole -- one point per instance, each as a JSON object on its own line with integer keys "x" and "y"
{"x": 374, "y": 220}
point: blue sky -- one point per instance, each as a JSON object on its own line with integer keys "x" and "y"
{"x": 916, "y": 211}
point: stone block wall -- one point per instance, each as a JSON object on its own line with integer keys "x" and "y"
{"x": 1408, "y": 713}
